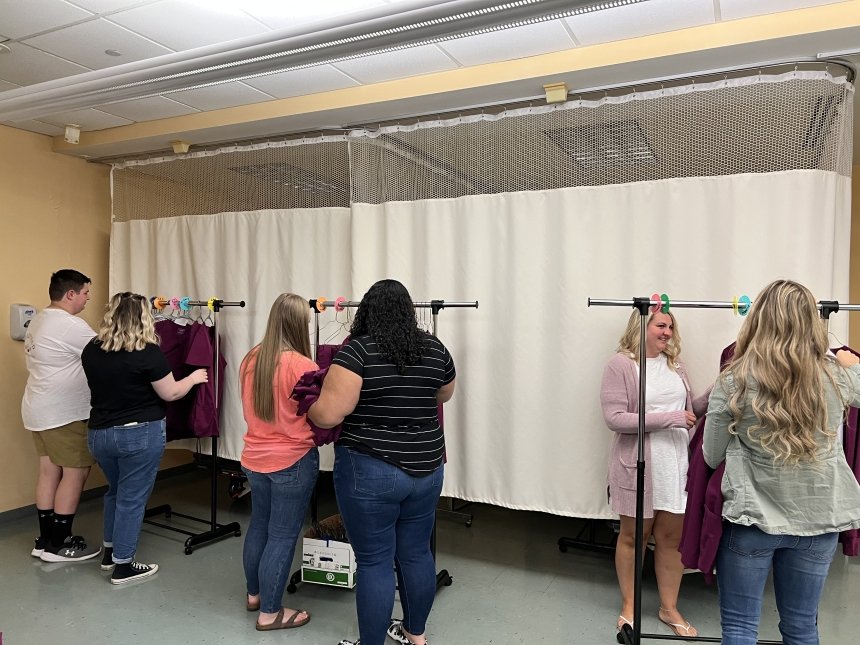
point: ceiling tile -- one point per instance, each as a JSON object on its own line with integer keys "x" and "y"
{"x": 299, "y": 82}
{"x": 88, "y": 120}
{"x": 508, "y": 44}
{"x": 216, "y": 97}
{"x": 37, "y": 127}
{"x": 292, "y": 14}
{"x": 182, "y": 25}
{"x": 148, "y": 109}
{"x": 86, "y": 44}
{"x": 24, "y": 65}
{"x": 734, "y": 9}
{"x": 412, "y": 61}
{"x": 40, "y": 15}
{"x": 641, "y": 19}
{"x": 105, "y": 6}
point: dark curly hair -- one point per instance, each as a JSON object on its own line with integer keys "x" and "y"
{"x": 387, "y": 315}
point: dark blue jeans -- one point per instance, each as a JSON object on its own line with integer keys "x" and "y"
{"x": 389, "y": 518}
{"x": 800, "y": 566}
{"x": 129, "y": 456}
{"x": 279, "y": 502}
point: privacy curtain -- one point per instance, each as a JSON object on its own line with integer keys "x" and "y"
{"x": 702, "y": 192}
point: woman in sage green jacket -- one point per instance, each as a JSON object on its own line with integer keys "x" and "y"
{"x": 788, "y": 491}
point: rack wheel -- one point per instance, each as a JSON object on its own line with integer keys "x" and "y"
{"x": 469, "y": 523}
{"x": 625, "y": 635}
{"x": 238, "y": 532}
{"x": 188, "y": 550}
{"x": 167, "y": 515}
{"x": 236, "y": 488}
{"x": 448, "y": 581}
{"x": 291, "y": 588}
{"x": 562, "y": 548}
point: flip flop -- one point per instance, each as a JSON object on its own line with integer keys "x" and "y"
{"x": 684, "y": 631}
{"x": 290, "y": 623}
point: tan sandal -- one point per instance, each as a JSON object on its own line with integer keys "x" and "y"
{"x": 290, "y": 623}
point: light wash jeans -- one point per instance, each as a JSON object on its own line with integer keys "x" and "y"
{"x": 389, "y": 517}
{"x": 129, "y": 457}
{"x": 800, "y": 566}
{"x": 279, "y": 502}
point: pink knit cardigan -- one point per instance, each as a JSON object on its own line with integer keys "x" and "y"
{"x": 619, "y": 396}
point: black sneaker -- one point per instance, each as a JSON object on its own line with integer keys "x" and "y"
{"x": 107, "y": 558}
{"x": 39, "y": 548}
{"x": 129, "y": 571}
{"x": 74, "y": 549}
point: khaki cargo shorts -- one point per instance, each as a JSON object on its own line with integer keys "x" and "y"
{"x": 66, "y": 446}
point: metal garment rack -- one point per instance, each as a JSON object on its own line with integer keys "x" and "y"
{"x": 632, "y": 635}
{"x": 443, "y": 578}
{"x": 216, "y": 531}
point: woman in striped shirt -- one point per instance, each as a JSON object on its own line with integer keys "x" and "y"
{"x": 385, "y": 386}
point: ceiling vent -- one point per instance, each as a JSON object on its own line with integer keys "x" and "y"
{"x": 293, "y": 178}
{"x": 616, "y": 143}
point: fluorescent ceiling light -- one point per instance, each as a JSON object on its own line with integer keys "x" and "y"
{"x": 360, "y": 34}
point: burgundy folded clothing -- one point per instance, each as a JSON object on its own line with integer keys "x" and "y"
{"x": 306, "y": 392}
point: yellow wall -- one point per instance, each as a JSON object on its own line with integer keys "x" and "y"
{"x": 55, "y": 213}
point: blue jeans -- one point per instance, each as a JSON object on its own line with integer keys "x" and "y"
{"x": 129, "y": 457}
{"x": 279, "y": 501}
{"x": 389, "y": 517}
{"x": 800, "y": 566}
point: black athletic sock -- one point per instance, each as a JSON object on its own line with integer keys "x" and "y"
{"x": 61, "y": 529}
{"x": 46, "y": 523}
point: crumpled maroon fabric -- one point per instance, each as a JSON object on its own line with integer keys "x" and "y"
{"x": 306, "y": 392}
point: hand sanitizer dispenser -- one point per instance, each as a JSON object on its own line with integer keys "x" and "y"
{"x": 20, "y": 316}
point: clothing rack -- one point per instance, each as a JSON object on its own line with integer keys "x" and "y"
{"x": 318, "y": 305}
{"x": 632, "y": 635}
{"x": 216, "y": 531}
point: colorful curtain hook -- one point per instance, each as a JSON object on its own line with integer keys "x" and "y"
{"x": 338, "y": 303}
{"x": 665, "y": 299}
{"x": 655, "y": 297}
{"x": 321, "y": 304}
{"x": 744, "y": 304}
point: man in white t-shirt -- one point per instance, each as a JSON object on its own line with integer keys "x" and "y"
{"x": 55, "y": 408}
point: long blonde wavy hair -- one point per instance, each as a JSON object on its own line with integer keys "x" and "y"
{"x": 629, "y": 341}
{"x": 286, "y": 330}
{"x": 127, "y": 325}
{"x": 780, "y": 356}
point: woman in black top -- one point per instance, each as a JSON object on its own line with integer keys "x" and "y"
{"x": 129, "y": 381}
{"x": 385, "y": 385}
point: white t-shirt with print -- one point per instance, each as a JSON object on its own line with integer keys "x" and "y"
{"x": 57, "y": 392}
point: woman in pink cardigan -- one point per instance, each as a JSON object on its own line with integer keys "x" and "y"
{"x": 670, "y": 413}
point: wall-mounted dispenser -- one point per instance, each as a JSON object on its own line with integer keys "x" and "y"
{"x": 20, "y": 316}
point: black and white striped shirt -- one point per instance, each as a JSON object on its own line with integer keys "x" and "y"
{"x": 397, "y": 417}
